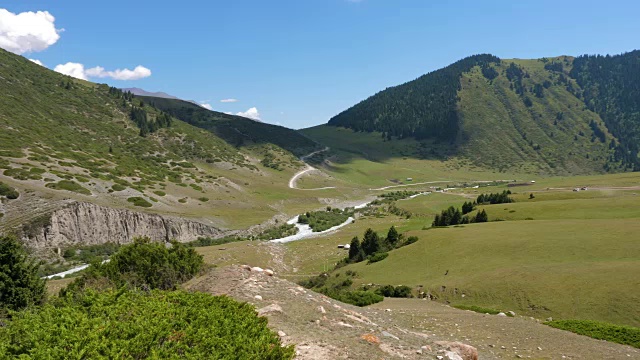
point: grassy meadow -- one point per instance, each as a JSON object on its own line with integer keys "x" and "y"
{"x": 562, "y": 254}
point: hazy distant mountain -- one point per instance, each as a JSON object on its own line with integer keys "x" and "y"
{"x": 142, "y": 92}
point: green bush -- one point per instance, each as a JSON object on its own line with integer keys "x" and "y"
{"x": 143, "y": 264}
{"x": 9, "y": 192}
{"x": 278, "y": 232}
{"x": 324, "y": 220}
{"x": 400, "y": 291}
{"x": 160, "y": 193}
{"x": 138, "y": 325}
{"x": 118, "y": 187}
{"x": 357, "y": 297}
{"x": 202, "y": 241}
{"x": 20, "y": 285}
{"x": 625, "y": 335}
{"x": 377, "y": 257}
{"x": 138, "y": 201}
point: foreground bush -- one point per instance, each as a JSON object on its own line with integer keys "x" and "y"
{"x": 625, "y": 335}
{"x": 356, "y": 297}
{"x": 20, "y": 285}
{"x": 143, "y": 264}
{"x": 138, "y": 325}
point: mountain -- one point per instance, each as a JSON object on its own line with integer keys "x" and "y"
{"x": 560, "y": 115}
{"x": 64, "y": 140}
{"x": 236, "y": 130}
{"x": 142, "y": 92}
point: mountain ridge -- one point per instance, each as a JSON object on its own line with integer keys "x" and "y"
{"x": 517, "y": 114}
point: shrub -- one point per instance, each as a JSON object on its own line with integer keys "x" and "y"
{"x": 357, "y": 297}
{"x": 20, "y": 285}
{"x": 626, "y": 335}
{"x": 118, "y": 187}
{"x": 160, "y": 193}
{"x": 136, "y": 325}
{"x": 143, "y": 264}
{"x": 138, "y": 201}
{"x": 401, "y": 291}
{"x": 8, "y": 192}
{"x": 377, "y": 257}
{"x": 324, "y": 220}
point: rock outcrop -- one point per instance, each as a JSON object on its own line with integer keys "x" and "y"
{"x": 90, "y": 224}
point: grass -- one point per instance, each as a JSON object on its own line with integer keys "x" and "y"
{"x": 69, "y": 185}
{"x": 625, "y": 335}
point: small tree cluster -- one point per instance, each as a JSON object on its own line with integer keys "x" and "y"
{"x": 453, "y": 216}
{"x": 140, "y": 118}
{"x": 468, "y": 207}
{"x": 497, "y": 198}
{"x": 372, "y": 244}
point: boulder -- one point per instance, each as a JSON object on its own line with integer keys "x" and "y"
{"x": 268, "y": 272}
{"x": 502, "y": 314}
{"x": 258, "y": 297}
{"x": 464, "y": 351}
{"x": 511, "y": 313}
{"x": 270, "y": 309}
{"x": 257, "y": 269}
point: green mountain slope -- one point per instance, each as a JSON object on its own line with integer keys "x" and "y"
{"x": 63, "y": 138}
{"x": 525, "y": 116}
{"x": 235, "y": 130}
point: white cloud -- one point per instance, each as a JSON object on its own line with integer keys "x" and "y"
{"x": 120, "y": 74}
{"x": 206, "y": 106}
{"x": 78, "y": 71}
{"x": 27, "y": 32}
{"x": 72, "y": 69}
{"x": 37, "y": 61}
{"x": 228, "y": 100}
{"x": 252, "y": 114}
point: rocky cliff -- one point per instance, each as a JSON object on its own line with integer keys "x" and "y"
{"x": 89, "y": 224}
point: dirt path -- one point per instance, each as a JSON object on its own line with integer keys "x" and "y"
{"x": 308, "y": 168}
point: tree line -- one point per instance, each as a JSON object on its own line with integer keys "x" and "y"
{"x": 453, "y": 216}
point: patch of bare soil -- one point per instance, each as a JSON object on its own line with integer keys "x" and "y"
{"x": 323, "y": 328}
{"x": 320, "y": 327}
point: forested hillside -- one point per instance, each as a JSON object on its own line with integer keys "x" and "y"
{"x": 611, "y": 87}
{"x": 235, "y": 130}
{"x": 549, "y": 116}
{"x": 422, "y": 108}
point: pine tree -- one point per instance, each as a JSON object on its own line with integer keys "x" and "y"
{"x": 355, "y": 250}
{"x": 371, "y": 242}
{"x": 392, "y": 236}
{"x": 20, "y": 285}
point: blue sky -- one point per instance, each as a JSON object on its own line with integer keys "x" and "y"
{"x": 299, "y": 62}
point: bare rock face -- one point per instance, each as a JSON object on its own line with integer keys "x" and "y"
{"x": 90, "y": 224}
